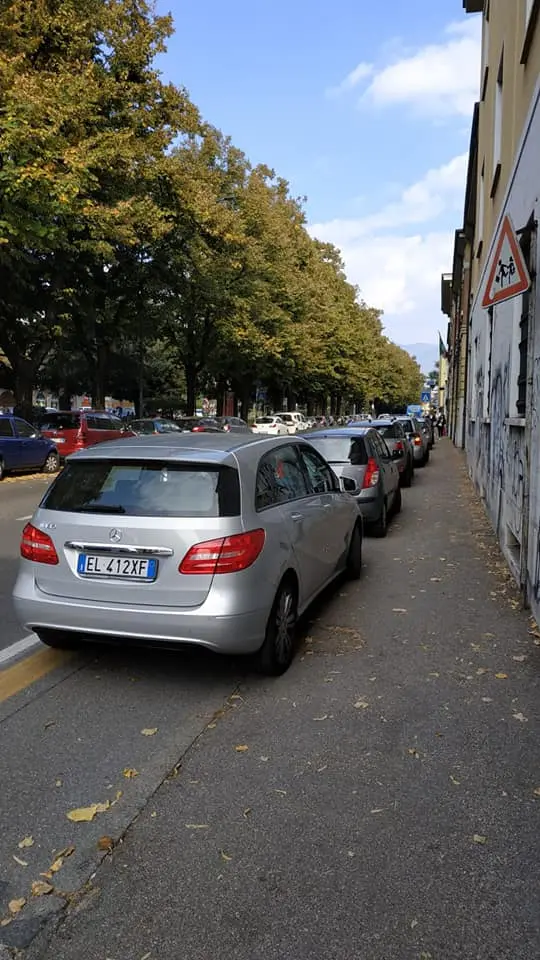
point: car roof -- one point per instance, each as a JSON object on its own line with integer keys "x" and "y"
{"x": 209, "y": 447}
{"x": 339, "y": 432}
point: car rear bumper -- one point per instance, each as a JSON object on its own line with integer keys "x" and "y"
{"x": 237, "y": 633}
{"x": 418, "y": 453}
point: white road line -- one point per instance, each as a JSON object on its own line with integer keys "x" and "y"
{"x": 19, "y": 647}
{"x": 29, "y": 517}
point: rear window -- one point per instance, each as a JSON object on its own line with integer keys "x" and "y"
{"x": 60, "y": 421}
{"x": 341, "y": 449}
{"x": 145, "y": 489}
{"x": 265, "y": 419}
{"x": 390, "y": 432}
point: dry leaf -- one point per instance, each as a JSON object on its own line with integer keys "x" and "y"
{"x": 15, "y": 906}
{"x": 105, "y": 843}
{"x": 130, "y": 774}
{"x": 198, "y": 826}
{"x": 414, "y": 923}
{"x": 18, "y": 860}
{"x": 147, "y": 955}
{"x": 377, "y": 810}
{"x": 40, "y": 888}
{"x": 536, "y": 791}
{"x": 225, "y": 856}
{"x": 520, "y": 658}
{"x": 50, "y": 723}
{"x": 66, "y": 852}
{"x": 86, "y": 814}
{"x": 520, "y": 717}
{"x": 56, "y": 866}
{"x": 480, "y": 672}
{"x": 435, "y": 579}
{"x": 398, "y": 610}
{"x": 501, "y": 676}
{"x": 324, "y": 717}
{"x": 58, "y": 783}
{"x": 413, "y": 752}
{"x": 479, "y": 839}
{"x": 27, "y": 842}
{"x": 454, "y": 781}
{"x": 241, "y": 748}
{"x": 264, "y": 759}
{"x": 247, "y": 812}
{"x": 283, "y": 793}
{"x": 6, "y": 921}
{"x": 361, "y": 705}
{"x": 487, "y": 700}
{"x": 149, "y": 731}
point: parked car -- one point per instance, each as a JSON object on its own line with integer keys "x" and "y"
{"x": 23, "y": 448}
{"x": 293, "y": 421}
{"x": 233, "y": 425}
{"x": 200, "y": 425}
{"x": 72, "y": 430}
{"x": 222, "y": 542}
{"x": 271, "y": 425}
{"x": 398, "y": 444}
{"x": 153, "y": 425}
{"x": 427, "y": 428}
{"x": 418, "y": 438}
{"x": 361, "y": 454}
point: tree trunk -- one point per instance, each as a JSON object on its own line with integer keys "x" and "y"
{"x": 24, "y": 374}
{"x": 245, "y": 401}
{"x": 102, "y": 364}
{"x": 221, "y": 390}
{"x": 191, "y": 389}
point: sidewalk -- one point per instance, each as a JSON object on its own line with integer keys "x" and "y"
{"x": 385, "y": 804}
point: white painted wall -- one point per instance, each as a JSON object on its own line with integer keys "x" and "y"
{"x": 499, "y": 457}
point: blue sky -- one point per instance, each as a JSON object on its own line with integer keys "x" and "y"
{"x": 367, "y": 113}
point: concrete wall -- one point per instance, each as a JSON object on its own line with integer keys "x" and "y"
{"x": 503, "y": 450}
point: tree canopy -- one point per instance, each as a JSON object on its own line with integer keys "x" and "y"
{"x": 136, "y": 240}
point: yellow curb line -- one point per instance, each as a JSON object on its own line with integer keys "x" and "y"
{"x": 23, "y": 674}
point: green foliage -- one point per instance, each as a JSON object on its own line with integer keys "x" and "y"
{"x": 140, "y": 249}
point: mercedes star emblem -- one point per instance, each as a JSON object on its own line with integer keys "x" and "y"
{"x": 115, "y": 536}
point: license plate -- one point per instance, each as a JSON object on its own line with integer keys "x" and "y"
{"x": 127, "y": 568}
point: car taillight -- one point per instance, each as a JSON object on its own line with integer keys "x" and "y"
{"x": 226, "y": 555}
{"x": 197, "y": 429}
{"x": 399, "y": 446}
{"x": 226, "y": 427}
{"x": 37, "y": 546}
{"x": 371, "y": 476}
{"x": 417, "y": 440}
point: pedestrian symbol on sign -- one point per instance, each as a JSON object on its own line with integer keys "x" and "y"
{"x": 426, "y": 396}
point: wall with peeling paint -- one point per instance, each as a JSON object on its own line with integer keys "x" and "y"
{"x": 503, "y": 449}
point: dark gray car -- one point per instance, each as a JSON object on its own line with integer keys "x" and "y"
{"x": 362, "y": 455}
{"x": 399, "y": 445}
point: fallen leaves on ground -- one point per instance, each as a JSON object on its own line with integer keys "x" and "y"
{"x": 15, "y": 906}
{"x": 520, "y": 659}
{"x": 398, "y": 610}
{"x": 454, "y": 781}
{"x": 225, "y": 856}
{"x": 320, "y": 719}
{"x": 105, "y": 843}
{"x": 501, "y": 676}
{"x": 130, "y": 773}
{"x": 241, "y": 748}
{"x": 198, "y": 826}
{"x": 361, "y": 704}
{"x": 41, "y": 888}
{"x": 22, "y": 863}
{"x": 520, "y": 717}
{"x": 149, "y": 731}
{"x": 26, "y": 842}
{"x": 413, "y": 752}
{"x": 86, "y": 814}
{"x": 536, "y": 791}
{"x": 247, "y": 812}
{"x": 478, "y": 838}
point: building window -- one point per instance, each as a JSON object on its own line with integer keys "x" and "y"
{"x": 532, "y": 9}
{"x": 485, "y": 53}
{"x": 481, "y": 209}
{"x": 527, "y": 300}
{"x": 497, "y": 126}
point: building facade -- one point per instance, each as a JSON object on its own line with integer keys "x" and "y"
{"x": 494, "y": 353}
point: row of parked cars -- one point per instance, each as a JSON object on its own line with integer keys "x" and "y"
{"x": 217, "y": 539}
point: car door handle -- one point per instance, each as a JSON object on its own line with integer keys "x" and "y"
{"x": 297, "y": 517}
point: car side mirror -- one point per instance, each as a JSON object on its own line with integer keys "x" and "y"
{"x": 347, "y": 485}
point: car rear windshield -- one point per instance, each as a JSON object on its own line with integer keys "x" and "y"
{"x": 60, "y": 421}
{"x": 145, "y": 489}
{"x": 388, "y": 430}
{"x": 342, "y": 449}
{"x": 265, "y": 420}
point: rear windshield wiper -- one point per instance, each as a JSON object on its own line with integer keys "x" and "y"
{"x": 101, "y": 508}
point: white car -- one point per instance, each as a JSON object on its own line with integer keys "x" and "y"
{"x": 270, "y": 425}
{"x": 293, "y": 421}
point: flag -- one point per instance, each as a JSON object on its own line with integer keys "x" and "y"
{"x": 443, "y": 352}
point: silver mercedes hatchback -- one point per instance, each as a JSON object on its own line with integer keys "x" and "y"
{"x": 217, "y": 540}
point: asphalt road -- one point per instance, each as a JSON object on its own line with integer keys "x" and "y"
{"x": 384, "y": 803}
{"x": 18, "y": 499}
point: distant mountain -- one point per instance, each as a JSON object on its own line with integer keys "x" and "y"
{"x": 426, "y": 354}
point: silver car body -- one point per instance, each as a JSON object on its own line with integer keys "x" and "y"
{"x": 414, "y": 431}
{"x": 306, "y": 534}
{"x": 337, "y": 445}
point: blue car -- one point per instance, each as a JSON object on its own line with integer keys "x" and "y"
{"x": 22, "y": 447}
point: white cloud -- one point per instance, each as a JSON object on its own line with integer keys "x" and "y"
{"x": 398, "y": 273}
{"x": 352, "y": 79}
{"x": 440, "y": 79}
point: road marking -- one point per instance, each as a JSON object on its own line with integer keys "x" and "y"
{"x": 19, "y": 647}
{"x": 29, "y": 517}
{"x": 23, "y": 674}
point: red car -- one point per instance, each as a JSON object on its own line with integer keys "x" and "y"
{"x": 71, "y": 430}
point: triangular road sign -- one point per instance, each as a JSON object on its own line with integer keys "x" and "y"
{"x": 508, "y": 274}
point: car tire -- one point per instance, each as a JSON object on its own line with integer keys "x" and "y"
{"x": 52, "y": 463}
{"x": 396, "y": 505}
{"x": 2, "y": 470}
{"x": 58, "y": 639}
{"x": 277, "y": 651}
{"x": 380, "y": 527}
{"x": 425, "y": 461}
{"x": 407, "y": 476}
{"x": 353, "y": 568}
